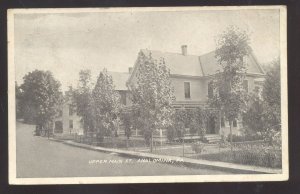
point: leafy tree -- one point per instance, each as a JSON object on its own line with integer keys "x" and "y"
{"x": 231, "y": 98}
{"x": 177, "y": 129}
{"x": 84, "y": 100}
{"x": 153, "y": 95}
{"x": 253, "y": 118}
{"x": 136, "y": 119}
{"x": 106, "y": 104}
{"x": 41, "y": 98}
{"x": 271, "y": 96}
{"x": 126, "y": 117}
{"x": 264, "y": 113}
{"x": 199, "y": 120}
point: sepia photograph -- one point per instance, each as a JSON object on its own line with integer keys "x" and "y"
{"x": 147, "y": 95}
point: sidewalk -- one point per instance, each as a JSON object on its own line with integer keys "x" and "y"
{"x": 194, "y": 163}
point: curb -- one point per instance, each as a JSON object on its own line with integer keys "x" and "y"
{"x": 194, "y": 163}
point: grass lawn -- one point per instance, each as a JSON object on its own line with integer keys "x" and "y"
{"x": 255, "y": 157}
{"x": 245, "y": 157}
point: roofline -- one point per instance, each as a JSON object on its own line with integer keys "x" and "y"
{"x": 186, "y": 76}
{"x": 212, "y": 75}
{"x": 247, "y": 74}
{"x": 134, "y": 68}
{"x": 170, "y": 52}
{"x": 123, "y": 72}
{"x": 257, "y": 64}
{"x": 199, "y": 58}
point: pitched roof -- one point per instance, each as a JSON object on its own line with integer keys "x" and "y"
{"x": 203, "y": 65}
{"x": 177, "y": 63}
{"x": 210, "y": 64}
{"x": 119, "y": 79}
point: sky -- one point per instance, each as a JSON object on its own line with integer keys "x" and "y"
{"x": 65, "y": 43}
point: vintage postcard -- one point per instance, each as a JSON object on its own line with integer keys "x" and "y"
{"x": 147, "y": 95}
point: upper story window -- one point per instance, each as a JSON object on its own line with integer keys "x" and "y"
{"x": 187, "y": 90}
{"x": 210, "y": 89}
{"x": 245, "y": 85}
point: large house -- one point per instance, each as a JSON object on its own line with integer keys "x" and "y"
{"x": 191, "y": 76}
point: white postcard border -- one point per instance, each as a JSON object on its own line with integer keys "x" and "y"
{"x": 145, "y": 179}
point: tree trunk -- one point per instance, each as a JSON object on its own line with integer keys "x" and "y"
{"x": 230, "y": 125}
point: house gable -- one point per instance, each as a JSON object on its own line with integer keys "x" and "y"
{"x": 197, "y": 71}
{"x": 210, "y": 64}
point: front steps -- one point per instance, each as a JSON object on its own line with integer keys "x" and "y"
{"x": 212, "y": 138}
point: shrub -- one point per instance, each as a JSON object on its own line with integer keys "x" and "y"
{"x": 261, "y": 155}
{"x": 199, "y": 122}
{"x": 198, "y": 147}
{"x": 177, "y": 129}
{"x": 223, "y": 143}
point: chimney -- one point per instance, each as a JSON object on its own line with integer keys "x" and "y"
{"x": 184, "y": 50}
{"x": 130, "y": 70}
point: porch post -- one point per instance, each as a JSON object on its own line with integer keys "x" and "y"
{"x": 220, "y": 120}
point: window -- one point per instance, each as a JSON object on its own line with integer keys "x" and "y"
{"x": 60, "y": 113}
{"x": 58, "y": 127}
{"x": 71, "y": 110}
{"x": 245, "y": 85}
{"x": 70, "y": 124}
{"x": 234, "y": 123}
{"x": 187, "y": 92}
{"x": 210, "y": 89}
{"x": 123, "y": 97}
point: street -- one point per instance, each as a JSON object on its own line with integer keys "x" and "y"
{"x": 38, "y": 157}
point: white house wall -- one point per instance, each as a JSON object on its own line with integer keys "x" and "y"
{"x": 198, "y": 89}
